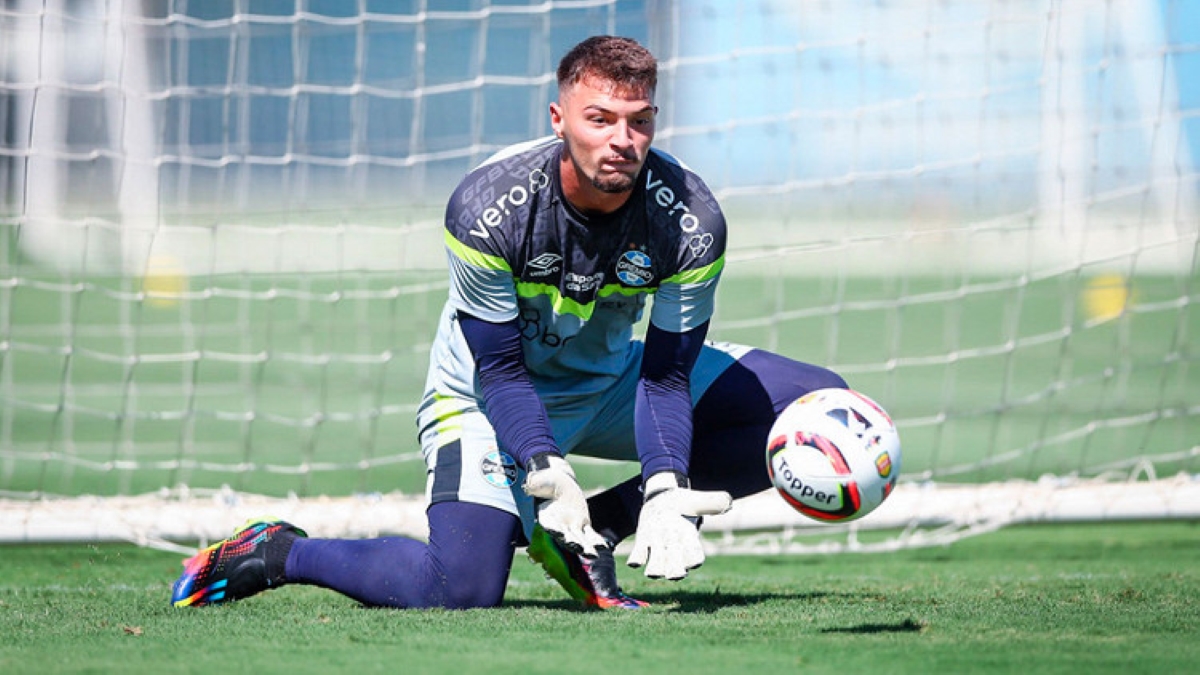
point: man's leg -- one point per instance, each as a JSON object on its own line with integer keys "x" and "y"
{"x": 733, "y": 417}
{"x": 465, "y": 564}
{"x": 730, "y": 423}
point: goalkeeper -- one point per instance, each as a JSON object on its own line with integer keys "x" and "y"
{"x": 554, "y": 247}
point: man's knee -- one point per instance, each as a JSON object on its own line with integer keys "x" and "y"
{"x": 471, "y": 552}
{"x": 785, "y": 378}
{"x": 827, "y": 379}
{"x": 472, "y": 596}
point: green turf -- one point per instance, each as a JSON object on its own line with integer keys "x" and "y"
{"x": 1100, "y": 598}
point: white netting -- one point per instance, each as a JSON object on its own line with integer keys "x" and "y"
{"x": 221, "y": 263}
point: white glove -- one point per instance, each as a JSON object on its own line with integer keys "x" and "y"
{"x": 562, "y": 510}
{"x": 668, "y": 537}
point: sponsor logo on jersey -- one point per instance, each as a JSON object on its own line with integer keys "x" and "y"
{"x": 581, "y": 283}
{"x": 543, "y": 265}
{"x": 517, "y": 195}
{"x": 700, "y": 243}
{"x": 498, "y": 469}
{"x": 664, "y": 196}
{"x": 633, "y": 269}
{"x": 534, "y": 330}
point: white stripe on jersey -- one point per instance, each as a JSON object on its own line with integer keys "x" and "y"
{"x": 518, "y": 148}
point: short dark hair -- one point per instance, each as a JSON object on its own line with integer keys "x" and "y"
{"x": 619, "y": 60}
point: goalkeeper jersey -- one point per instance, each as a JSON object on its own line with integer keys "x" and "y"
{"x": 578, "y": 283}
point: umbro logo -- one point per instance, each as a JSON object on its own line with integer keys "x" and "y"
{"x": 543, "y": 265}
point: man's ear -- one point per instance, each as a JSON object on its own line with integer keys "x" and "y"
{"x": 556, "y": 119}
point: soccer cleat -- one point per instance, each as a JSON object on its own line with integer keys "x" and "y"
{"x": 592, "y": 582}
{"x": 249, "y": 562}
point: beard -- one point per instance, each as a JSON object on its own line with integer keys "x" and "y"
{"x": 613, "y": 183}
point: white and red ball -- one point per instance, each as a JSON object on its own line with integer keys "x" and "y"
{"x": 834, "y": 455}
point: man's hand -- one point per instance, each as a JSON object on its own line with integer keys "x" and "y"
{"x": 562, "y": 509}
{"x": 668, "y": 537}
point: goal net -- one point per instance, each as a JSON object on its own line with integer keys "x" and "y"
{"x": 222, "y": 265}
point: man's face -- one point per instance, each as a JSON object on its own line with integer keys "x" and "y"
{"x": 607, "y": 133}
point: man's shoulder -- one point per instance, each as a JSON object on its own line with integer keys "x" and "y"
{"x": 520, "y": 164}
{"x": 503, "y": 183}
{"x": 535, "y": 149}
{"x": 680, "y": 192}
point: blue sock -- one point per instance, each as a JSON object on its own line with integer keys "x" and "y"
{"x": 465, "y": 564}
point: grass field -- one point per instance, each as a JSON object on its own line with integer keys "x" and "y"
{"x": 1098, "y": 598}
{"x": 309, "y": 384}
{"x": 259, "y": 380}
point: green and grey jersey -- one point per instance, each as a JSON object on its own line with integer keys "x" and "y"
{"x": 577, "y": 283}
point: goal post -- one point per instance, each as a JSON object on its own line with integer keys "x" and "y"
{"x": 222, "y": 262}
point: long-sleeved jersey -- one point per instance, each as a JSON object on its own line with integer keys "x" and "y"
{"x": 576, "y": 283}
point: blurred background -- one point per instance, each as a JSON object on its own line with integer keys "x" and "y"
{"x": 220, "y": 257}
{"x": 202, "y": 114}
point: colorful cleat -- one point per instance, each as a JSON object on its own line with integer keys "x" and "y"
{"x": 249, "y": 562}
{"x": 592, "y": 582}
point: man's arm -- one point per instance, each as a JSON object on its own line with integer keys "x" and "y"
{"x": 668, "y": 539}
{"x": 519, "y": 420}
{"x": 663, "y": 409}
{"x": 513, "y": 407}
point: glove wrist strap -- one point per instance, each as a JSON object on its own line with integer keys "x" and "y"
{"x": 540, "y": 461}
{"x": 663, "y": 481}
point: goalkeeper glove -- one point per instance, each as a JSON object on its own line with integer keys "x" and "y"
{"x": 668, "y": 533}
{"x": 562, "y": 510}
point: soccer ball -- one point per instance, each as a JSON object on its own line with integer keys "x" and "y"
{"x": 834, "y": 455}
